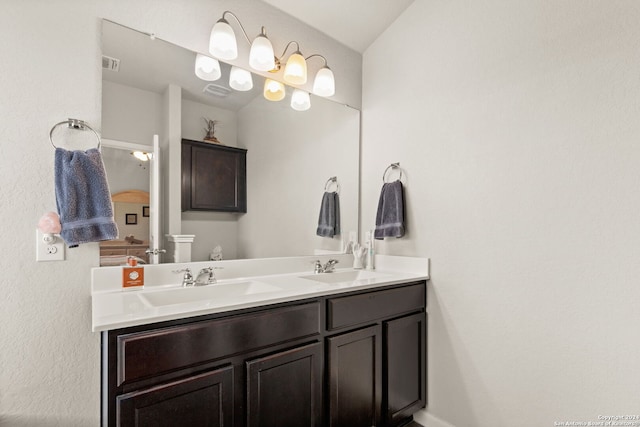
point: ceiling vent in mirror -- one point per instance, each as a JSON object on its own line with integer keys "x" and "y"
{"x": 216, "y": 90}
{"x": 110, "y": 63}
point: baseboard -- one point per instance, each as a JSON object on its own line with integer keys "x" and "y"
{"x": 429, "y": 420}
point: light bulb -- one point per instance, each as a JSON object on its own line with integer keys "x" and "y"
{"x": 300, "y": 100}
{"x": 222, "y": 43}
{"x": 207, "y": 68}
{"x": 261, "y": 56}
{"x": 142, "y": 155}
{"x": 324, "y": 84}
{"x": 295, "y": 72}
{"x": 273, "y": 90}
{"x": 240, "y": 79}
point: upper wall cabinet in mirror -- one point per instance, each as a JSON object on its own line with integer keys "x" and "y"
{"x": 290, "y": 154}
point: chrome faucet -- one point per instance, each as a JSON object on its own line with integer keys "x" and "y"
{"x": 327, "y": 268}
{"x": 187, "y": 279}
{"x": 206, "y": 277}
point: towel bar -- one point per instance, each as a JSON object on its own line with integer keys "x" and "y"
{"x": 73, "y": 124}
{"x": 333, "y": 179}
{"x": 392, "y": 166}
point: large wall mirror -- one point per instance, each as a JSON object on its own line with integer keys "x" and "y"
{"x": 290, "y": 154}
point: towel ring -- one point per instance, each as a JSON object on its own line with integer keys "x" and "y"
{"x": 74, "y": 124}
{"x": 333, "y": 179}
{"x": 392, "y": 166}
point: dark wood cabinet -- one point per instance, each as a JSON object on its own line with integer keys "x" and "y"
{"x": 355, "y": 377}
{"x": 354, "y": 359}
{"x": 285, "y": 389}
{"x": 405, "y": 355}
{"x": 204, "y": 400}
{"x": 214, "y": 177}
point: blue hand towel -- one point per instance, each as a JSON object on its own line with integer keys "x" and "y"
{"x": 329, "y": 220}
{"x": 390, "y": 215}
{"x": 83, "y": 197}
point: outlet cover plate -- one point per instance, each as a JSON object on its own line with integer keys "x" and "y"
{"x": 49, "y": 251}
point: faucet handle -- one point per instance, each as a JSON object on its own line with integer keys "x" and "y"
{"x": 211, "y": 277}
{"x": 187, "y": 279}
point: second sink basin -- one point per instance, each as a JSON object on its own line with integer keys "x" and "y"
{"x": 206, "y": 293}
{"x": 344, "y": 276}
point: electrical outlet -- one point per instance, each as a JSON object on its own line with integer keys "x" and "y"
{"x": 49, "y": 250}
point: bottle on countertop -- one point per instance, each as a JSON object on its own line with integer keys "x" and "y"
{"x": 132, "y": 274}
{"x": 370, "y": 251}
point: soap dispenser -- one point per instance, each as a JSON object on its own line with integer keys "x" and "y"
{"x": 132, "y": 274}
{"x": 370, "y": 251}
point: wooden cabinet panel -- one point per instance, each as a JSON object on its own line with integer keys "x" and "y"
{"x": 355, "y": 365}
{"x": 372, "y": 374}
{"x": 213, "y": 177}
{"x": 365, "y": 308}
{"x": 204, "y": 400}
{"x": 186, "y": 345}
{"x": 405, "y": 381}
{"x": 285, "y": 389}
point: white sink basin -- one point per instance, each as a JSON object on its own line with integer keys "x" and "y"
{"x": 344, "y": 276}
{"x": 206, "y": 293}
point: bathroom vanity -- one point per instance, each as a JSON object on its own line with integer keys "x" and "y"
{"x": 349, "y": 353}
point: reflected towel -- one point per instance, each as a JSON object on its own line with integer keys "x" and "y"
{"x": 83, "y": 198}
{"x": 390, "y": 215}
{"x": 329, "y": 220}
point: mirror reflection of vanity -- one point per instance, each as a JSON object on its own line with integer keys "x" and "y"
{"x": 290, "y": 154}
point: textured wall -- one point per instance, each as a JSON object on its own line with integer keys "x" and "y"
{"x": 49, "y": 358}
{"x": 517, "y": 126}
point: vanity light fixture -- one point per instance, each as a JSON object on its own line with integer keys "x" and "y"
{"x": 207, "y": 68}
{"x": 300, "y": 100}
{"x": 273, "y": 90}
{"x": 240, "y": 79}
{"x": 223, "y": 45}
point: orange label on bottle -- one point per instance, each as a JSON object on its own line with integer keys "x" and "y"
{"x": 132, "y": 276}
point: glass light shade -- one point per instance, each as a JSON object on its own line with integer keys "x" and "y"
{"x": 240, "y": 79}
{"x": 295, "y": 72}
{"x": 300, "y": 100}
{"x": 261, "y": 56}
{"x": 142, "y": 155}
{"x": 207, "y": 68}
{"x": 324, "y": 84}
{"x": 273, "y": 90}
{"x": 222, "y": 43}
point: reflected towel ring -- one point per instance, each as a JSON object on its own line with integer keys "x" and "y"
{"x": 391, "y": 166}
{"x": 74, "y": 124}
{"x": 333, "y": 179}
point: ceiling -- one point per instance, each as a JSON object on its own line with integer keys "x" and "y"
{"x": 354, "y": 23}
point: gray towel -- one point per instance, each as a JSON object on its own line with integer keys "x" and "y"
{"x": 83, "y": 198}
{"x": 329, "y": 220}
{"x": 390, "y": 215}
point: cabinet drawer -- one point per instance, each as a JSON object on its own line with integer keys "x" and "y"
{"x": 145, "y": 354}
{"x": 139, "y": 252}
{"x": 358, "y": 309}
{"x": 106, "y": 252}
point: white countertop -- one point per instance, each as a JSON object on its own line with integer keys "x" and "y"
{"x": 241, "y": 284}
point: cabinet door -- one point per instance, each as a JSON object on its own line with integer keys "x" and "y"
{"x": 285, "y": 389}
{"x": 204, "y": 400}
{"x": 355, "y": 366}
{"x": 405, "y": 371}
{"x": 214, "y": 178}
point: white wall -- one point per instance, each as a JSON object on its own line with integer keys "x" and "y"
{"x": 50, "y": 359}
{"x": 517, "y": 127}
{"x": 130, "y": 114}
{"x": 289, "y": 160}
